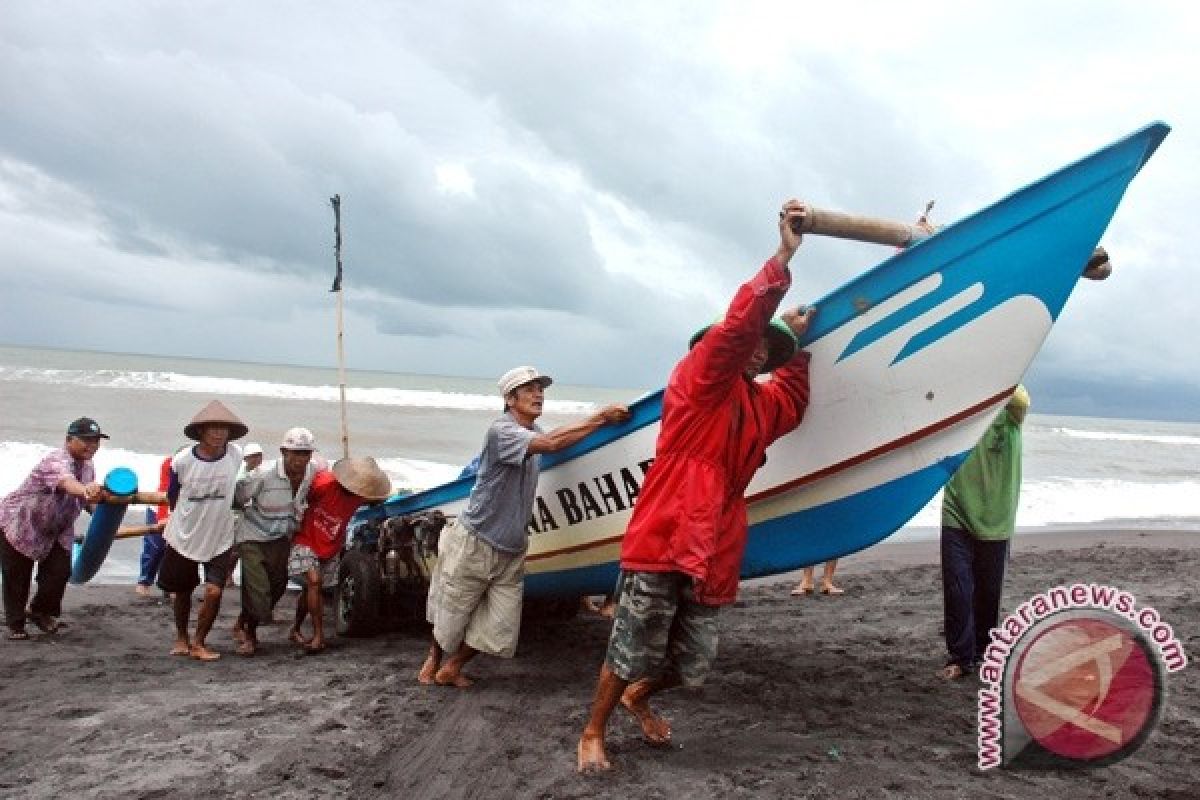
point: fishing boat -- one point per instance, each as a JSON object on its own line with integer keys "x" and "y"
{"x": 910, "y": 362}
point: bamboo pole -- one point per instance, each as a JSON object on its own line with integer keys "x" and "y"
{"x": 840, "y": 225}
{"x": 336, "y": 202}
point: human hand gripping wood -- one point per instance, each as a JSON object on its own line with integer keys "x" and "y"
{"x": 791, "y": 226}
{"x": 799, "y": 319}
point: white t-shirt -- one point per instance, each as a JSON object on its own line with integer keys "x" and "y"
{"x": 201, "y": 525}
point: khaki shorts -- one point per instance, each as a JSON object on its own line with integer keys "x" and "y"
{"x": 659, "y": 629}
{"x": 475, "y": 594}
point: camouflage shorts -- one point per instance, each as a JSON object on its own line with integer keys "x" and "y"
{"x": 659, "y": 629}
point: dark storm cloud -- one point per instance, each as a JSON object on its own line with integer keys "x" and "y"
{"x": 584, "y": 185}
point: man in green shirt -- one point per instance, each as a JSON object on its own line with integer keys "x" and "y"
{"x": 979, "y": 512}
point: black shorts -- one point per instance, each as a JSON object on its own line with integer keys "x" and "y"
{"x": 180, "y": 574}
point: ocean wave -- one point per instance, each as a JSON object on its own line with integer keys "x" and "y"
{"x": 18, "y": 458}
{"x": 179, "y": 382}
{"x": 1114, "y": 436}
{"x": 1068, "y": 501}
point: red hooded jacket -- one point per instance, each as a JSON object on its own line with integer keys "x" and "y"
{"x": 716, "y": 425}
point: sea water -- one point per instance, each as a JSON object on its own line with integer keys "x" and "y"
{"x": 422, "y": 429}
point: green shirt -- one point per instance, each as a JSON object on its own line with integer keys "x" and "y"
{"x": 981, "y": 498}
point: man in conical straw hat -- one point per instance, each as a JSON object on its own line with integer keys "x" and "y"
{"x": 476, "y": 590}
{"x": 317, "y": 549}
{"x": 199, "y": 532}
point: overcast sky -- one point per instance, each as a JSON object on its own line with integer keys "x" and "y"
{"x": 575, "y": 185}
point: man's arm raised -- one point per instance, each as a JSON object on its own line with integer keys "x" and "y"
{"x": 567, "y": 435}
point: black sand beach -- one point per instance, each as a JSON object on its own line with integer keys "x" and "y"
{"x": 813, "y": 697}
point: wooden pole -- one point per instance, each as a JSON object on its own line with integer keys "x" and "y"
{"x": 841, "y": 225}
{"x": 336, "y": 202}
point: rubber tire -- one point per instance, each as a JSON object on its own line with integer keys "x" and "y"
{"x": 359, "y": 594}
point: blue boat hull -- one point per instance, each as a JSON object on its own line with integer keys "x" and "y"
{"x": 911, "y": 360}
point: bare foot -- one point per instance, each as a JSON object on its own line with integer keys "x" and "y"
{"x": 202, "y": 653}
{"x": 832, "y": 590}
{"x": 590, "y": 754}
{"x": 239, "y": 633}
{"x": 314, "y": 647}
{"x": 428, "y": 670}
{"x": 951, "y": 672}
{"x": 296, "y": 637}
{"x": 448, "y": 676}
{"x": 801, "y": 590}
{"x": 142, "y": 590}
{"x": 655, "y": 729}
{"x": 608, "y": 610}
{"x": 247, "y": 647}
{"x": 182, "y": 647}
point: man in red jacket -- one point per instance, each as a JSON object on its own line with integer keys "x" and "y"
{"x": 682, "y": 551}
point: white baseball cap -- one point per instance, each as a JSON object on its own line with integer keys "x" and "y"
{"x": 252, "y": 449}
{"x": 519, "y": 376}
{"x": 298, "y": 439}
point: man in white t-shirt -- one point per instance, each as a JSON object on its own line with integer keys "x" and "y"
{"x": 200, "y": 529}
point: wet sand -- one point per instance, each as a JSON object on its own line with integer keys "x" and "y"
{"x": 812, "y": 697}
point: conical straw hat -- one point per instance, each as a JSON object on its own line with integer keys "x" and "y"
{"x": 363, "y": 477}
{"x": 216, "y": 412}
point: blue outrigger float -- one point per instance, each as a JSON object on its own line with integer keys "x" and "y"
{"x": 911, "y": 360}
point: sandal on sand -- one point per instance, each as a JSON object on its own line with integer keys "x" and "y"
{"x": 800, "y": 591}
{"x": 951, "y": 672}
{"x": 17, "y": 635}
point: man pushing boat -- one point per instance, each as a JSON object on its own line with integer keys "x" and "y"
{"x": 476, "y": 590}
{"x": 682, "y": 552}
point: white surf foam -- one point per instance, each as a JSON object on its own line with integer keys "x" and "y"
{"x": 1113, "y": 436}
{"x": 18, "y": 458}
{"x": 179, "y": 382}
{"x": 1068, "y": 501}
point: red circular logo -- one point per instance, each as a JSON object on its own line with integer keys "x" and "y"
{"x": 1087, "y": 688}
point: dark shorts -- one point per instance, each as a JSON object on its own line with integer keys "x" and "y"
{"x": 180, "y": 574}
{"x": 660, "y": 629}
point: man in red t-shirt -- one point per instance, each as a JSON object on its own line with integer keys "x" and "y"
{"x": 316, "y": 551}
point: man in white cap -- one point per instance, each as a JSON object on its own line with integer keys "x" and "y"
{"x": 476, "y": 590}
{"x": 272, "y": 498}
{"x": 199, "y": 532}
{"x": 252, "y": 456}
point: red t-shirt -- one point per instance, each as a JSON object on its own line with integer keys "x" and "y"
{"x": 330, "y": 508}
{"x": 164, "y": 483}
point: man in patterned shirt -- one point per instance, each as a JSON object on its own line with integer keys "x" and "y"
{"x": 37, "y": 526}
